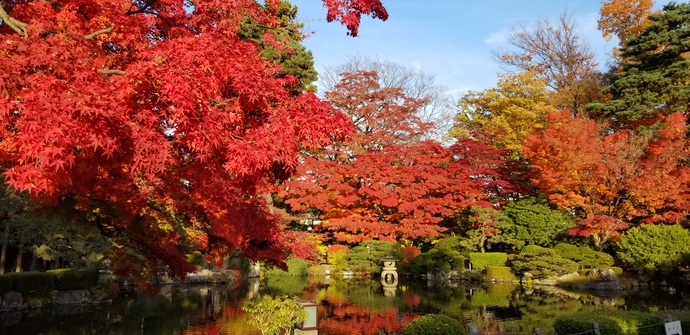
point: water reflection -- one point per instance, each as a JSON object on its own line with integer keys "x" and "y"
{"x": 344, "y": 307}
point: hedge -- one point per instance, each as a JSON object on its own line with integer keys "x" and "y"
{"x": 434, "y": 324}
{"x": 5, "y": 284}
{"x": 26, "y": 282}
{"x": 611, "y": 322}
{"x": 74, "y": 279}
{"x": 499, "y": 273}
{"x": 481, "y": 260}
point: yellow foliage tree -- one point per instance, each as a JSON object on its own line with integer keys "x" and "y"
{"x": 508, "y": 111}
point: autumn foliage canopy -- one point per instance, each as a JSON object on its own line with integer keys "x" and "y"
{"x": 383, "y": 182}
{"x": 156, "y": 120}
{"x": 608, "y": 176}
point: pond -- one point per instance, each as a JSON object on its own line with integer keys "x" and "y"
{"x": 344, "y": 307}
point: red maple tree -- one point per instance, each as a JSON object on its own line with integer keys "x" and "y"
{"x": 155, "y": 119}
{"x": 601, "y": 228}
{"x": 636, "y": 177}
{"x": 383, "y": 183}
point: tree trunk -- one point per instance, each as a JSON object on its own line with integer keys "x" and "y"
{"x": 33, "y": 259}
{"x": 5, "y": 241}
{"x": 20, "y": 255}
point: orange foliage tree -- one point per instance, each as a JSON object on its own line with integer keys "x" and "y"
{"x": 607, "y": 177}
{"x": 154, "y": 119}
{"x": 624, "y": 18}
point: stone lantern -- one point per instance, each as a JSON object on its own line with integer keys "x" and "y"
{"x": 389, "y": 276}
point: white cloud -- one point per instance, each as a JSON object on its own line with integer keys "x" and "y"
{"x": 499, "y": 37}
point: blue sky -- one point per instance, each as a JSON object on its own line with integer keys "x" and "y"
{"x": 451, "y": 39}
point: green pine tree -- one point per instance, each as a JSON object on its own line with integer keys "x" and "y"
{"x": 656, "y": 74}
{"x": 296, "y": 60}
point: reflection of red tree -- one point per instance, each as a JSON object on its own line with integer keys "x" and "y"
{"x": 411, "y": 299}
{"x": 484, "y": 323}
{"x": 351, "y": 319}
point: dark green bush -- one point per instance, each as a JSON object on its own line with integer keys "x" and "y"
{"x": 366, "y": 257}
{"x": 5, "y": 284}
{"x": 445, "y": 260}
{"x": 434, "y": 324}
{"x": 499, "y": 273}
{"x": 481, "y": 260}
{"x": 449, "y": 243}
{"x": 25, "y": 282}
{"x": 535, "y": 222}
{"x": 611, "y": 322}
{"x": 542, "y": 262}
{"x": 74, "y": 279}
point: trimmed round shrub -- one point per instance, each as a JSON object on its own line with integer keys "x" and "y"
{"x": 499, "y": 273}
{"x": 434, "y": 324}
{"x": 584, "y": 256}
{"x": 26, "y": 282}
{"x": 542, "y": 262}
{"x": 196, "y": 258}
{"x": 611, "y": 322}
{"x": 74, "y": 279}
{"x": 5, "y": 284}
{"x": 481, "y": 260}
{"x": 297, "y": 267}
{"x": 445, "y": 260}
{"x": 655, "y": 248}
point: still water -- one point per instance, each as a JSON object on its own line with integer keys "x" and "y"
{"x": 344, "y": 307}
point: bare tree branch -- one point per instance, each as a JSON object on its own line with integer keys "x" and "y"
{"x": 120, "y": 72}
{"x": 16, "y": 25}
{"x": 99, "y": 32}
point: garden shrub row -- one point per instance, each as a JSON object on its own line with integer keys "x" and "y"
{"x": 611, "y": 322}
{"x": 5, "y": 284}
{"x": 44, "y": 282}
{"x": 74, "y": 279}
{"x": 481, "y": 260}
